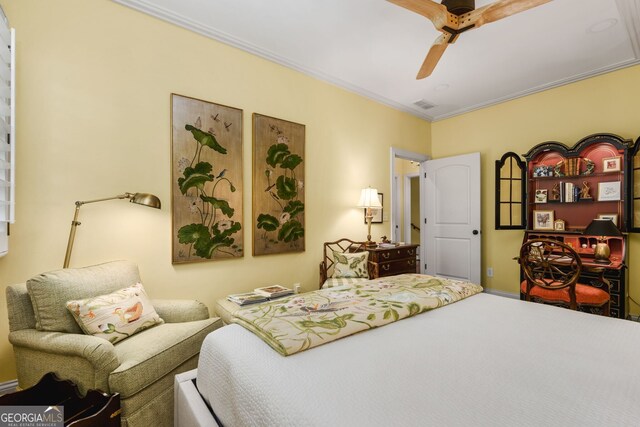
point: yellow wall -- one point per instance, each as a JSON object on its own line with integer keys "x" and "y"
{"x": 608, "y": 103}
{"x": 94, "y": 83}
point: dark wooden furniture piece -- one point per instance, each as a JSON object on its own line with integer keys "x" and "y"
{"x": 551, "y": 272}
{"x": 95, "y": 409}
{"x": 392, "y": 261}
{"x": 556, "y": 177}
{"x": 341, "y": 245}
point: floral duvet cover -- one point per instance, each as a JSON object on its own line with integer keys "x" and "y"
{"x": 299, "y": 322}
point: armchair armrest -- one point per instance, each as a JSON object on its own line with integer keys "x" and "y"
{"x": 99, "y": 352}
{"x": 180, "y": 310}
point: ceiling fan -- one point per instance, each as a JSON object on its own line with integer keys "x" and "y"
{"x": 454, "y": 17}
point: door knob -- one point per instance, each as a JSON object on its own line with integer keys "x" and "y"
{"x": 475, "y": 232}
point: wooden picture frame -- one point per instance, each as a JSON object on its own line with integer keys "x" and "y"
{"x": 612, "y": 217}
{"x": 377, "y": 213}
{"x": 278, "y": 216}
{"x": 541, "y": 196}
{"x": 559, "y": 225}
{"x": 206, "y": 180}
{"x": 609, "y": 191}
{"x": 611, "y": 164}
{"x": 542, "y": 220}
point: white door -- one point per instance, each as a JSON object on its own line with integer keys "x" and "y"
{"x": 452, "y": 214}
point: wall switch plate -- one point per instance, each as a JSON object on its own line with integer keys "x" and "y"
{"x": 490, "y": 272}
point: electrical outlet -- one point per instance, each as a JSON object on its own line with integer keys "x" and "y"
{"x": 296, "y": 288}
{"x": 490, "y": 272}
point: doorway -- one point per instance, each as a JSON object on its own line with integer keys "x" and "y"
{"x": 405, "y": 181}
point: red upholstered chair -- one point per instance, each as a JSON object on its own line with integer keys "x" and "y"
{"x": 551, "y": 272}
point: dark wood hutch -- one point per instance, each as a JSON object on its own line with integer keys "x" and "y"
{"x": 567, "y": 187}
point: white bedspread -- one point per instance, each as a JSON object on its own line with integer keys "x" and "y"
{"x": 483, "y": 361}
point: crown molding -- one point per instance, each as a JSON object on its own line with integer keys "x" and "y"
{"x": 629, "y": 11}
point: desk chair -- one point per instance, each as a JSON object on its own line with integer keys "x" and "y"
{"x": 551, "y": 272}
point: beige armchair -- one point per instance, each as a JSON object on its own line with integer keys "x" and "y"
{"x": 141, "y": 368}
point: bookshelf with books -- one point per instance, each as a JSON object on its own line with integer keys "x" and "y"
{"x": 568, "y": 187}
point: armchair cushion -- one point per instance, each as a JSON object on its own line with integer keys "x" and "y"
{"x": 155, "y": 352}
{"x": 49, "y": 292}
{"x": 115, "y": 316}
{"x": 350, "y": 265}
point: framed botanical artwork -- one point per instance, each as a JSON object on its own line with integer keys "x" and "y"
{"x": 608, "y": 191}
{"x": 377, "y": 213}
{"x": 612, "y": 217}
{"x": 611, "y": 164}
{"x": 542, "y": 220}
{"x": 278, "y": 186}
{"x": 541, "y": 196}
{"x": 559, "y": 225}
{"x": 206, "y": 180}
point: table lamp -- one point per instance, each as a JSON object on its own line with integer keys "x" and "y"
{"x": 601, "y": 229}
{"x": 143, "y": 199}
{"x": 369, "y": 200}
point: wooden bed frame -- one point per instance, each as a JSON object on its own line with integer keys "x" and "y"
{"x": 342, "y": 245}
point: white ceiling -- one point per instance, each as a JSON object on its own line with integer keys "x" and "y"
{"x": 375, "y": 48}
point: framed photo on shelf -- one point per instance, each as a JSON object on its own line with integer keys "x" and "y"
{"x": 611, "y": 164}
{"x": 541, "y": 196}
{"x": 559, "y": 225}
{"x": 612, "y": 217}
{"x": 377, "y": 213}
{"x": 608, "y": 191}
{"x": 542, "y": 220}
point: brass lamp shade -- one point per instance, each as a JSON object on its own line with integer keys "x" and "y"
{"x": 146, "y": 199}
{"x": 602, "y": 228}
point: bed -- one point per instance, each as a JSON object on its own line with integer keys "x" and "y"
{"x": 484, "y": 361}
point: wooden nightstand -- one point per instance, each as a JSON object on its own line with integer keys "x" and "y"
{"x": 392, "y": 261}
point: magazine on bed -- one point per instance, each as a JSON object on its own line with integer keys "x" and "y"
{"x": 247, "y": 298}
{"x": 273, "y": 291}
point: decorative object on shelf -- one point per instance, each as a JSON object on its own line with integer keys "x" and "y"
{"x": 541, "y": 196}
{"x": 542, "y": 171}
{"x": 611, "y": 164}
{"x": 542, "y": 220}
{"x": 584, "y": 193}
{"x": 377, "y": 213}
{"x": 143, "y": 199}
{"x": 369, "y": 200}
{"x": 278, "y": 186}
{"x": 602, "y": 228}
{"x": 559, "y": 225}
{"x": 608, "y": 191}
{"x": 206, "y": 181}
{"x": 612, "y": 217}
{"x": 555, "y": 192}
{"x": 590, "y": 167}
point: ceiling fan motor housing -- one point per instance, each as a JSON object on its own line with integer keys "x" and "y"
{"x": 459, "y": 7}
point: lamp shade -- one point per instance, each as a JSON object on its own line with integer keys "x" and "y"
{"x": 602, "y": 227}
{"x": 369, "y": 198}
{"x": 145, "y": 199}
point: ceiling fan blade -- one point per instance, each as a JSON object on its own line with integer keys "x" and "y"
{"x": 434, "y": 55}
{"x": 431, "y": 10}
{"x": 502, "y": 9}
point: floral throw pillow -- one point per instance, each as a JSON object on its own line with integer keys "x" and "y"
{"x": 350, "y": 265}
{"x": 115, "y": 316}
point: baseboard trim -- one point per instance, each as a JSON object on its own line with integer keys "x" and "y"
{"x": 502, "y": 294}
{"x": 8, "y": 387}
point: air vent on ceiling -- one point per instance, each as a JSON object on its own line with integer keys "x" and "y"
{"x": 423, "y": 104}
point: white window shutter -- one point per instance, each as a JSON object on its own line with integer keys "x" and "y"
{"x": 7, "y": 131}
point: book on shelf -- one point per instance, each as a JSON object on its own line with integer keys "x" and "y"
{"x": 247, "y": 298}
{"x": 273, "y": 291}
